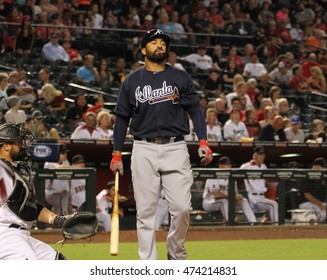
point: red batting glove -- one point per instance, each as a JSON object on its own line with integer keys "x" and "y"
{"x": 116, "y": 163}
{"x": 205, "y": 152}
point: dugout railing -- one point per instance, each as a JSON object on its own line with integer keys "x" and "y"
{"x": 236, "y": 175}
{"x": 89, "y": 174}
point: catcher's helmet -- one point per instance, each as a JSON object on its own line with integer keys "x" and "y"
{"x": 12, "y": 133}
{"x": 155, "y": 33}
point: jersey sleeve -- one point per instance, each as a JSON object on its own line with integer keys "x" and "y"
{"x": 190, "y": 96}
{"x": 123, "y": 107}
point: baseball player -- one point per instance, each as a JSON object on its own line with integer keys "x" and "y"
{"x": 215, "y": 195}
{"x": 77, "y": 191}
{"x": 57, "y": 191}
{"x": 256, "y": 188}
{"x": 18, "y": 207}
{"x": 105, "y": 200}
{"x": 314, "y": 192}
{"x": 157, "y": 98}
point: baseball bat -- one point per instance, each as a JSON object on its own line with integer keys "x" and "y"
{"x": 114, "y": 236}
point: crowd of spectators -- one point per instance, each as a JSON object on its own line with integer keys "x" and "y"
{"x": 242, "y": 85}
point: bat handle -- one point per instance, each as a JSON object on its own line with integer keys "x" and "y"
{"x": 117, "y": 181}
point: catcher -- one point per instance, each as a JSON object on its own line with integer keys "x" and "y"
{"x": 18, "y": 207}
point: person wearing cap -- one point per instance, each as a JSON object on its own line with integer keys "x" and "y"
{"x": 273, "y": 131}
{"x": 314, "y": 192}
{"x": 77, "y": 186}
{"x": 105, "y": 201}
{"x": 215, "y": 195}
{"x": 213, "y": 84}
{"x": 53, "y": 51}
{"x": 281, "y": 75}
{"x": 147, "y": 24}
{"x": 294, "y": 133}
{"x": 154, "y": 100}
{"x": 88, "y": 129}
{"x": 200, "y": 59}
{"x": 14, "y": 115}
{"x": 57, "y": 191}
{"x": 256, "y": 188}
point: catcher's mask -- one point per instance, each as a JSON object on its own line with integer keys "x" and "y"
{"x": 12, "y": 133}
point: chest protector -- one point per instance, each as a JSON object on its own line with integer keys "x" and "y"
{"x": 22, "y": 200}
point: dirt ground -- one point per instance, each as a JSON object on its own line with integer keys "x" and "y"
{"x": 209, "y": 233}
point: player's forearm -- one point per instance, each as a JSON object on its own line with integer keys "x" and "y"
{"x": 197, "y": 116}
{"x": 46, "y": 216}
{"x": 120, "y": 131}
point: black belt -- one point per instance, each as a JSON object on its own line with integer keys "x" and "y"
{"x": 257, "y": 193}
{"x": 17, "y": 226}
{"x": 161, "y": 140}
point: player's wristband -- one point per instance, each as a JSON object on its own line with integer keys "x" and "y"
{"x": 59, "y": 221}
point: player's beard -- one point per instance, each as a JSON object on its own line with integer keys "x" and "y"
{"x": 156, "y": 57}
{"x": 18, "y": 155}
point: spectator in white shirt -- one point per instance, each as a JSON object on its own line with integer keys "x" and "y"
{"x": 87, "y": 130}
{"x": 234, "y": 129}
{"x": 213, "y": 127}
{"x": 14, "y": 115}
{"x": 281, "y": 75}
{"x": 254, "y": 68}
{"x": 200, "y": 59}
{"x": 98, "y": 19}
{"x": 172, "y": 61}
{"x": 240, "y": 90}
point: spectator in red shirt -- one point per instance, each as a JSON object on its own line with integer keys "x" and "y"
{"x": 54, "y": 99}
{"x": 74, "y": 55}
{"x": 311, "y": 61}
{"x": 298, "y": 81}
{"x": 216, "y": 19}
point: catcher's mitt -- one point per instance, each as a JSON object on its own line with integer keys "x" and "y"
{"x": 80, "y": 225}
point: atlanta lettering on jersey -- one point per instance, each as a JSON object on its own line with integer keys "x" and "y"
{"x": 152, "y": 96}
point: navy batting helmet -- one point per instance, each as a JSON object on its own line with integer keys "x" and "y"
{"x": 155, "y": 33}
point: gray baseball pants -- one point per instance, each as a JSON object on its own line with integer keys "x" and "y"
{"x": 155, "y": 167}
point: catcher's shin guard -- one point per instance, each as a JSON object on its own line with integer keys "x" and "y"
{"x": 60, "y": 257}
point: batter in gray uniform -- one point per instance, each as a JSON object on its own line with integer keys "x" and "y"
{"x": 157, "y": 99}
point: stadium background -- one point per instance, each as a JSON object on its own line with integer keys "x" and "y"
{"x": 107, "y": 43}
